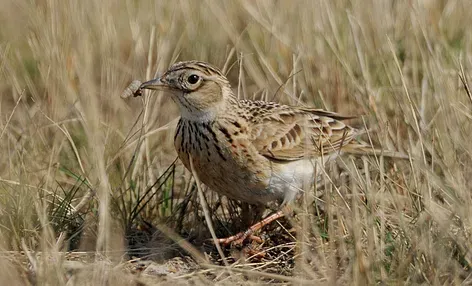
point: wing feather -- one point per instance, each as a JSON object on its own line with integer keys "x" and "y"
{"x": 290, "y": 133}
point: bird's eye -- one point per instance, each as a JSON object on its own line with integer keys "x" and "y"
{"x": 193, "y": 79}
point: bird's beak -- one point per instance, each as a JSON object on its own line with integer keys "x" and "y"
{"x": 154, "y": 84}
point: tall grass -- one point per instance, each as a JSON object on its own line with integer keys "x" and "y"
{"x": 77, "y": 162}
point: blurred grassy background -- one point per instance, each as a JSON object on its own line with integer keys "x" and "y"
{"x": 65, "y": 133}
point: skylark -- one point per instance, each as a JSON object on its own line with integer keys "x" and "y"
{"x": 252, "y": 151}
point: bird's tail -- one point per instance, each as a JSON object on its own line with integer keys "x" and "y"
{"x": 357, "y": 148}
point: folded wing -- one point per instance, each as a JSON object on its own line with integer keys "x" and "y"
{"x": 290, "y": 133}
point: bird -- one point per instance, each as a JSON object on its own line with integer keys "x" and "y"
{"x": 253, "y": 151}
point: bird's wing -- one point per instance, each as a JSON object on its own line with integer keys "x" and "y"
{"x": 290, "y": 133}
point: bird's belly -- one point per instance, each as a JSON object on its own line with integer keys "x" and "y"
{"x": 235, "y": 180}
{"x": 292, "y": 178}
{"x": 238, "y": 173}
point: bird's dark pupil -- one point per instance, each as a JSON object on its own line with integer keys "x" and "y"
{"x": 193, "y": 79}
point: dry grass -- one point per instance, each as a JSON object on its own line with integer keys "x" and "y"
{"x": 65, "y": 134}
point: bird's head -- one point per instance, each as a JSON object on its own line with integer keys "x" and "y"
{"x": 199, "y": 89}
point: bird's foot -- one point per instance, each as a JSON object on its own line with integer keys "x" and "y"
{"x": 239, "y": 238}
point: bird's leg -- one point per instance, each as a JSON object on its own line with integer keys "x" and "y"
{"x": 247, "y": 218}
{"x": 240, "y": 237}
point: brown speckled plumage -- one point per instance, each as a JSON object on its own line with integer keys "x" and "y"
{"x": 254, "y": 151}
